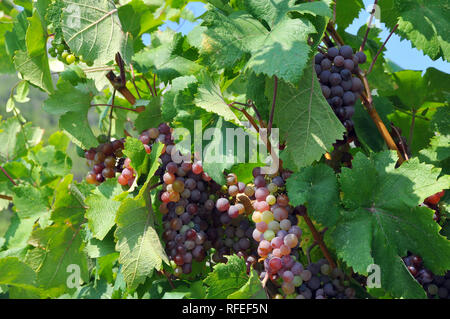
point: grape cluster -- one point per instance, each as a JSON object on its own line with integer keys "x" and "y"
{"x": 104, "y": 161}
{"x": 60, "y": 50}
{"x": 186, "y": 207}
{"x": 316, "y": 281}
{"x": 335, "y": 70}
{"x": 435, "y": 286}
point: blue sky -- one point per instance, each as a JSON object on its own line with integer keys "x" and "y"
{"x": 398, "y": 51}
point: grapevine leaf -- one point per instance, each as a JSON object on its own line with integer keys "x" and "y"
{"x": 273, "y": 52}
{"x": 252, "y": 289}
{"x": 423, "y": 22}
{"x": 35, "y": 70}
{"x": 77, "y": 127}
{"x": 35, "y": 36}
{"x": 95, "y": 32}
{"x": 139, "y": 245}
{"x": 365, "y": 128}
{"x": 318, "y": 187}
{"x": 151, "y": 117}
{"x": 347, "y": 11}
{"x": 77, "y": 98}
{"x": 16, "y": 273}
{"x": 31, "y": 202}
{"x": 380, "y": 225}
{"x": 227, "y": 279}
{"x": 305, "y": 120}
{"x": 102, "y": 209}
{"x": 210, "y": 98}
{"x": 165, "y": 58}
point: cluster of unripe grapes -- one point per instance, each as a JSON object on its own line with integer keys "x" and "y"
{"x": 104, "y": 161}
{"x": 335, "y": 70}
{"x": 60, "y": 50}
{"x": 435, "y": 286}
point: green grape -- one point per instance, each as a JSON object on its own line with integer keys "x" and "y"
{"x": 70, "y": 59}
{"x": 60, "y": 48}
{"x": 52, "y": 52}
{"x": 64, "y": 54}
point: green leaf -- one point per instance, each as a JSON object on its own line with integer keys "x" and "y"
{"x": 210, "y": 98}
{"x": 252, "y": 289}
{"x": 318, "y": 187}
{"x": 347, "y": 11}
{"x": 365, "y": 128}
{"x": 76, "y": 98}
{"x": 101, "y": 213}
{"x": 282, "y": 50}
{"x": 135, "y": 151}
{"x": 165, "y": 58}
{"x": 77, "y": 127}
{"x": 36, "y": 37}
{"x": 31, "y": 202}
{"x": 423, "y": 22}
{"x": 141, "y": 251}
{"x": 95, "y": 32}
{"x": 151, "y": 117}
{"x": 57, "y": 247}
{"x": 16, "y": 273}
{"x": 35, "y": 70}
{"x": 228, "y": 279}
{"x": 381, "y": 220}
{"x": 138, "y": 17}
{"x": 305, "y": 120}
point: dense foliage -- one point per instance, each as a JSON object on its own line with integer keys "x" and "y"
{"x": 362, "y": 147}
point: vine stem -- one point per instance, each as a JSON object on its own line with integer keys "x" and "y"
{"x": 6, "y": 197}
{"x": 111, "y": 115}
{"x": 363, "y": 44}
{"x": 400, "y": 143}
{"x": 272, "y": 111}
{"x": 411, "y": 128}
{"x": 133, "y": 81}
{"x": 318, "y": 238}
{"x": 137, "y": 110}
{"x": 7, "y": 175}
{"x": 381, "y": 49}
{"x": 149, "y": 86}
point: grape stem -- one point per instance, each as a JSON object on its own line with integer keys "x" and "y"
{"x": 149, "y": 86}
{"x": 111, "y": 115}
{"x": 272, "y": 111}
{"x": 7, "y": 175}
{"x": 318, "y": 238}
{"x": 168, "y": 278}
{"x": 243, "y": 111}
{"x": 314, "y": 244}
{"x": 363, "y": 44}
{"x": 6, "y": 197}
{"x": 137, "y": 110}
{"x": 411, "y": 128}
{"x": 400, "y": 143}
{"x": 381, "y": 49}
{"x": 367, "y": 99}
{"x": 134, "y": 81}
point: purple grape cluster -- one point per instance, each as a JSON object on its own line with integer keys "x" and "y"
{"x": 436, "y": 287}
{"x": 335, "y": 70}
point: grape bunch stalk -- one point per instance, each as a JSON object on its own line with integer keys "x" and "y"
{"x": 336, "y": 70}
